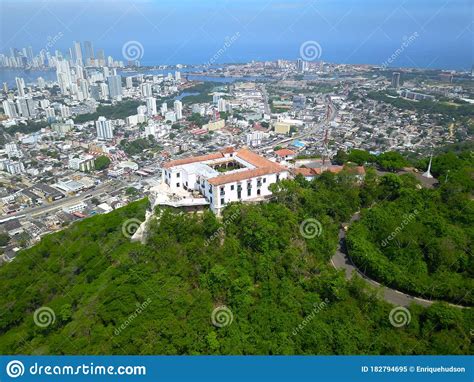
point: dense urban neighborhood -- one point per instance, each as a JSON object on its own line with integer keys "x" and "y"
{"x": 101, "y": 133}
{"x": 224, "y": 176}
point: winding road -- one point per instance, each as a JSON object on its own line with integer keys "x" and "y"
{"x": 342, "y": 261}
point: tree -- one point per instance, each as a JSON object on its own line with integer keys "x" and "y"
{"x": 391, "y": 161}
{"x": 4, "y": 239}
{"x": 102, "y": 162}
{"x": 340, "y": 158}
{"x": 360, "y": 157}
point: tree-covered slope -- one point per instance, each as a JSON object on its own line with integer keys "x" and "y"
{"x": 270, "y": 271}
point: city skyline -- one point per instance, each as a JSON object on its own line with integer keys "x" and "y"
{"x": 180, "y": 33}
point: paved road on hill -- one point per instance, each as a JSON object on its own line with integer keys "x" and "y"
{"x": 341, "y": 260}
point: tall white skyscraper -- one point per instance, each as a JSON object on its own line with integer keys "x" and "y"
{"x": 65, "y": 111}
{"x": 178, "y": 109}
{"x": 49, "y": 111}
{"x": 22, "y": 107}
{"x": 115, "y": 86}
{"x": 177, "y": 76}
{"x": 104, "y": 128}
{"x": 151, "y": 106}
{"x": 89, "y": 52}
{"x": 146, "y": 90}
{"x": 221, "y": 105}
{"x": 77, "y": 53}
{"x": 20, "y": 85}
{"x": 9, "y": 108}
{"x": 63, "y": 73}
{"x": 129, "y": 82}
{"x": 104, "y": 91}
{"x": 164, "y": 108}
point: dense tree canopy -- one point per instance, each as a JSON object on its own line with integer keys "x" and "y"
{"x": 113, "y": 296}
{"x": 421, "y": 241}
{"x": 102, "y": 162}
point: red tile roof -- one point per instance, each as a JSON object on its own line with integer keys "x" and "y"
{"x": 201, "y": 158}
{"x": 262, "y": 165}
{"x": 284, "y": 152}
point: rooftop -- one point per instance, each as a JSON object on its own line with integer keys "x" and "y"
{"x": 255, "y": 165}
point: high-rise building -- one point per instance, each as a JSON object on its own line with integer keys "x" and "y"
{"x": 129, "y": 82}
{"x": 101, "y": 57}
{"x": 89, "y": 52}
{"x": 29, "y": 54}
{"x": 104, "y": 91}
{"x": 151, "y": 106}
{"x": 115, "y": 86}
{"x": 65, "y": 111}
{"x": 301, "y": 65}
{"x": 104, "y": 129}
{"x": 178, "y": 109}
{"x": 146, "y": 90}
{"x": 49, "y": 111}
{"x": 41, "y": 82}
{"x": 221, "y": 105}
{"x": 177, "y": 76}
{"x": 77, "y": 53}
{"x": 9, "y": 108}
{"x": 84, "y": 89}
{"x": 396, "y": 80}
{"x": 63, "y": 73}
{"x": 22, "y": 107}
{"x": 20, "y": 85}
{"x": 95, "y": 92}
{"x": 164, "y": 108}
{"x": 31, "y": 106}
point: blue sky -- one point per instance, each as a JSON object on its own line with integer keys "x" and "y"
{"x": 185, "y": 31}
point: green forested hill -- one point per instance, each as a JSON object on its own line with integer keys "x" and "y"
{"x": 111, "y": 296}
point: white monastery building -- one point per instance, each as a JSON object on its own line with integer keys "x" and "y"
{"x": 224, "y": 177}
